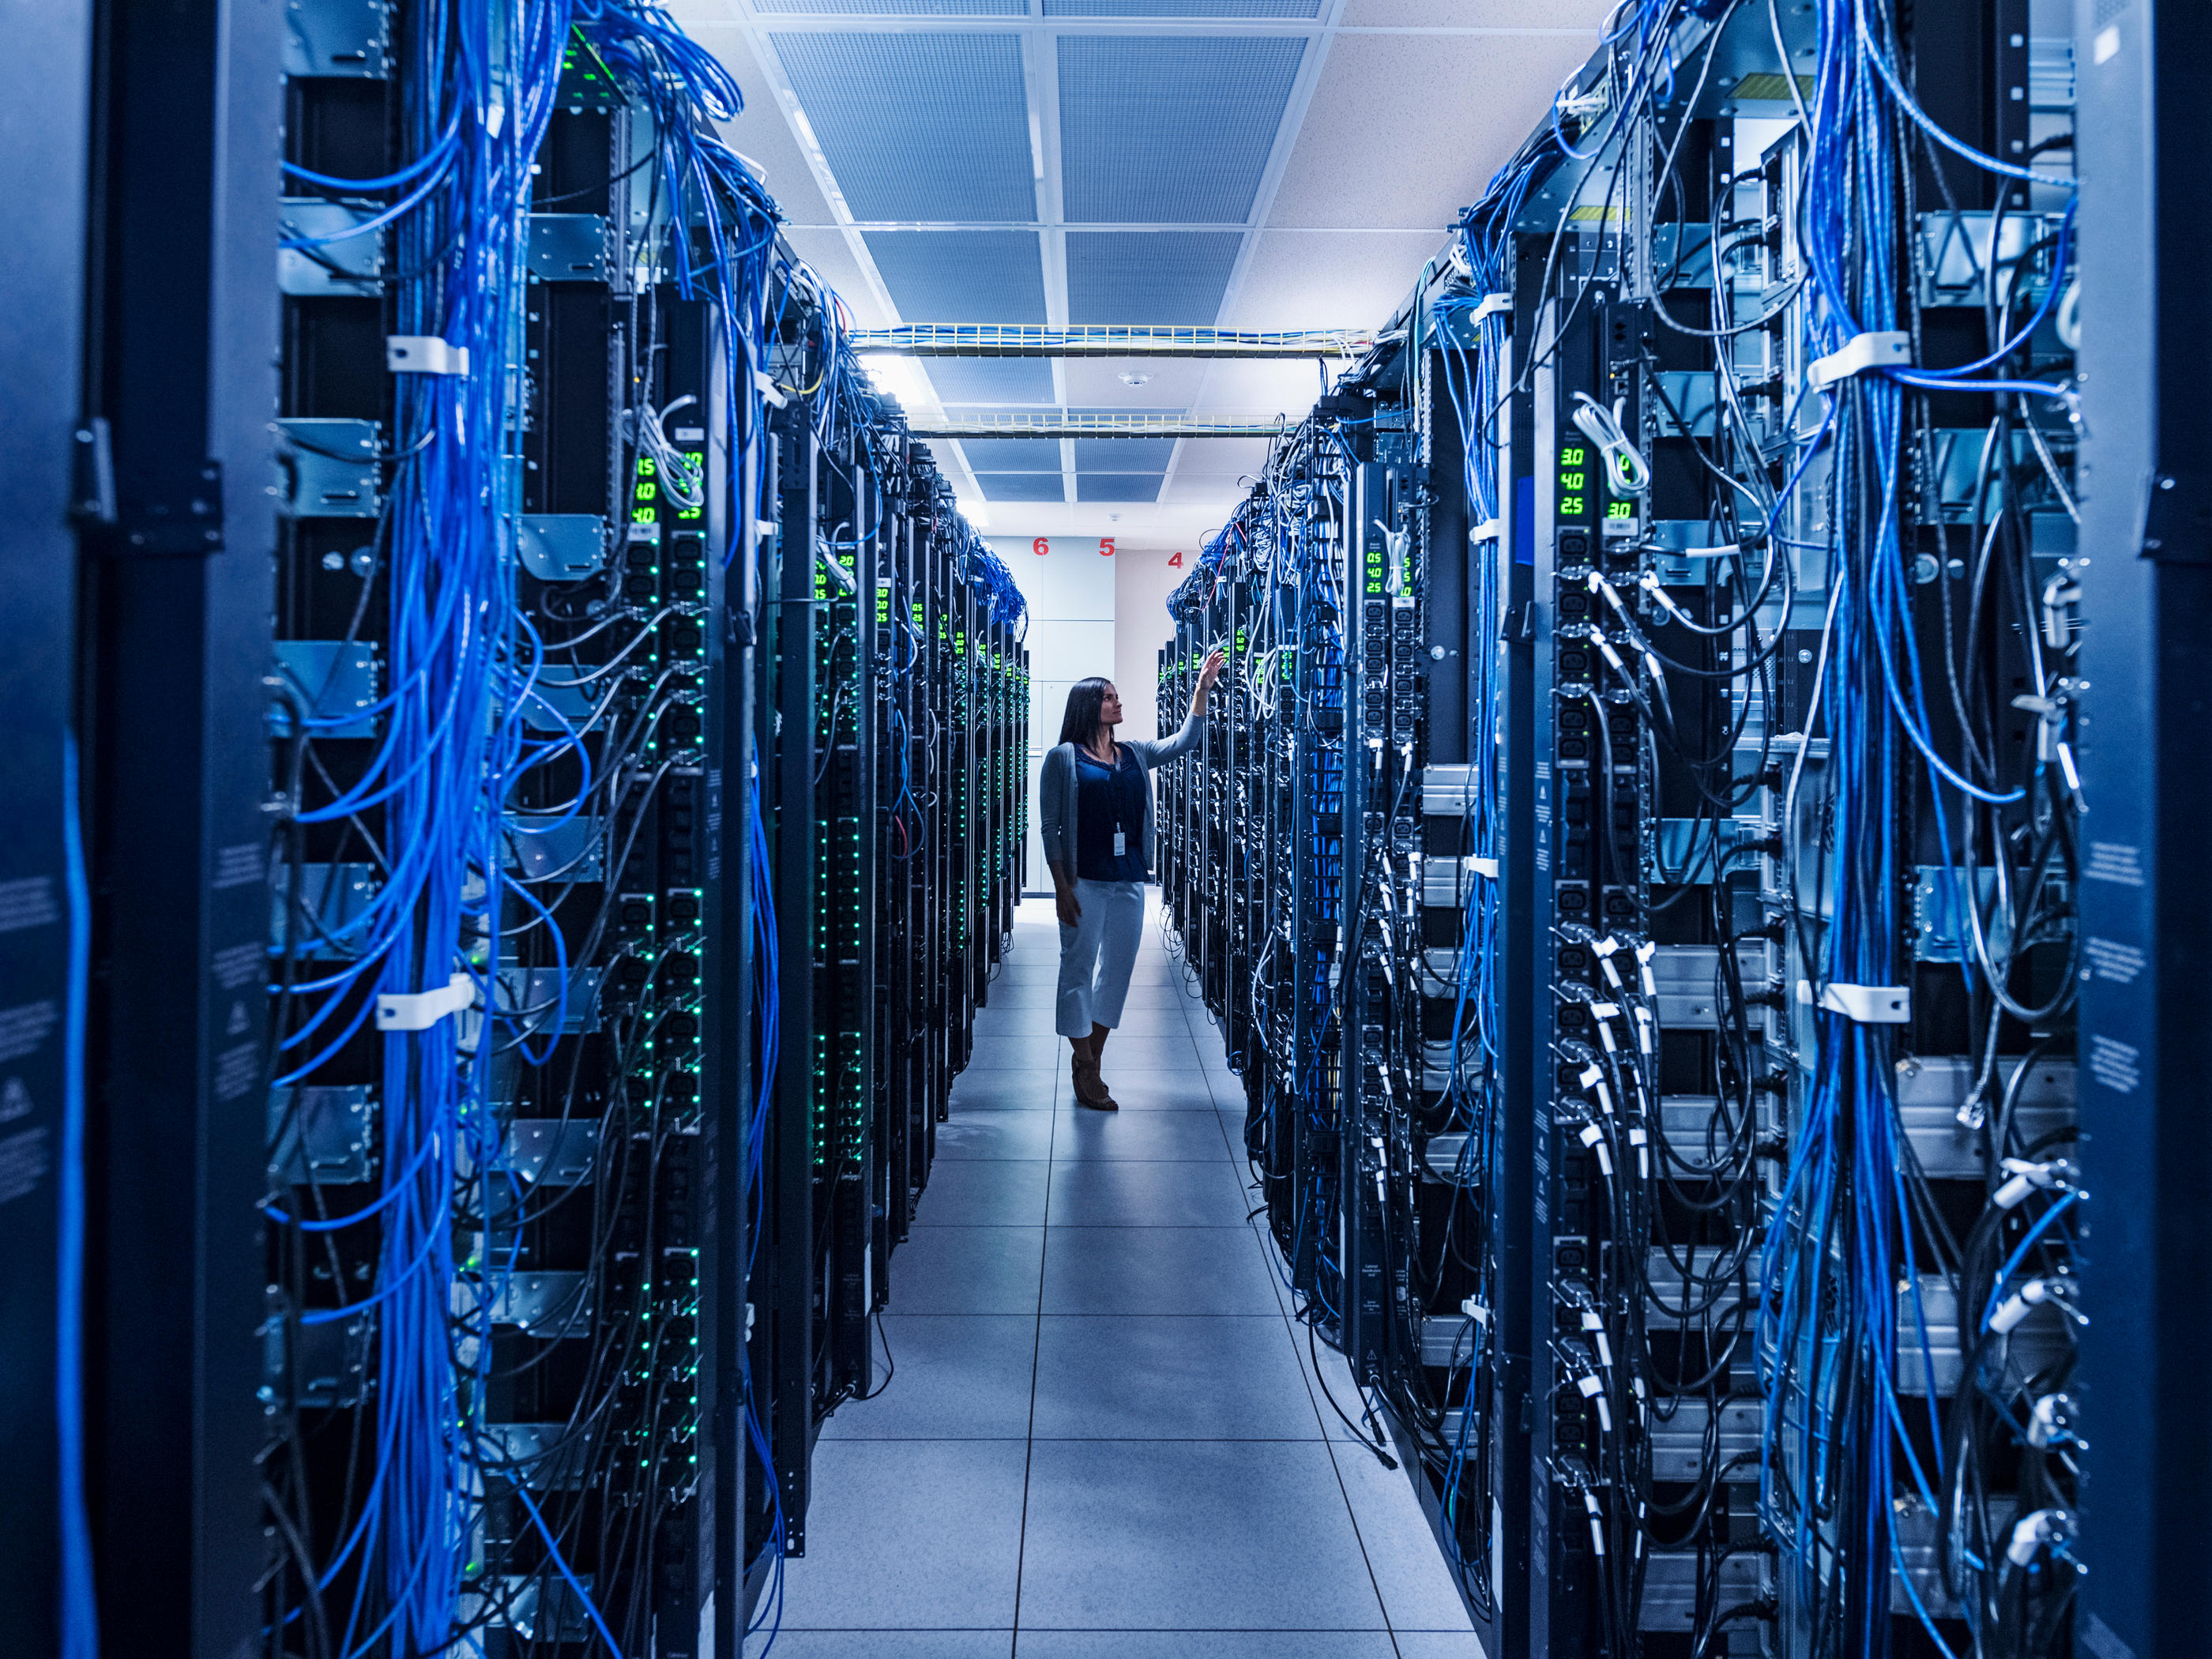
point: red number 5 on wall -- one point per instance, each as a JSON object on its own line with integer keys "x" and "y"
{"x": 1105, "y": 547}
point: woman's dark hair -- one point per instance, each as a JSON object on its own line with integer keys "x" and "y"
{"x": 1085, "y": 700}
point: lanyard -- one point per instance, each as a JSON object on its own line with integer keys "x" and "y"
{"x": 1113, "y": 795}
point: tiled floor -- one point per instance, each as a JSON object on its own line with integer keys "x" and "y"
{"x": 1102, "y": 1440}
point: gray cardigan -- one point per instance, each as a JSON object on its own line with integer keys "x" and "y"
{"x": 1056, "y": 790}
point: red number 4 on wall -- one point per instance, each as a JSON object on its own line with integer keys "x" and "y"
{"x": 1176, "y": 562}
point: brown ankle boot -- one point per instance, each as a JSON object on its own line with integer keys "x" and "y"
{"x": 1089, "y": 1088}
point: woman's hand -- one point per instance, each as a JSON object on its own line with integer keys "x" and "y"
{"x": 1208, "y": 673}
{"x": 1063, "y": 900}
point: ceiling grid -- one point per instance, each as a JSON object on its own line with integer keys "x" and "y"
{"x": 1040, "y": 55}
{"x": 1074, "y": 161}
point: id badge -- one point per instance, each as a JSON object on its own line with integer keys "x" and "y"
{"x": 1121, "y": 844}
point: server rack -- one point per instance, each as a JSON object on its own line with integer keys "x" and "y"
{"x": 42, "y": 486}
{"x": 1553, "y": 1153}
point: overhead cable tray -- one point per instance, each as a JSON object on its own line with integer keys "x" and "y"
{"x": 1100, "y": 340}
{"x": 1063, "y": 425}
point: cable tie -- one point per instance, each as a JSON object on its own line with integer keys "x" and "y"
{"x": 1489, "y": 530}
{"x": 1881, "y": 349}
{"x": 418, "y": 1011}
{"x": 1491, "y": 305}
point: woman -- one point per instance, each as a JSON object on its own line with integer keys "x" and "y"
{"x": 1095, "y": 810}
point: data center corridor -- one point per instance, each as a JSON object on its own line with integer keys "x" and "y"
{"x": 1101, "y": 1440}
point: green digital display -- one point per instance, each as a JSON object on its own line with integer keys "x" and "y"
{"x": 1576, "y": 493}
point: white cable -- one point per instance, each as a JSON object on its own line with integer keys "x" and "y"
{"x": 679, "y": 483}
{"x": 1626, "y": 473}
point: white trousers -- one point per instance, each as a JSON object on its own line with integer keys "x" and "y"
{"x": 1096, "y": 954}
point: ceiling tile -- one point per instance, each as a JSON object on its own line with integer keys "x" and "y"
{"x": 1118, "y": 487}
{"x": 962, "y": 276}
{"x": 1172, "y": 129}
{"x": 1168, "y": 382}
{"x": 1536, "y": 15}
{"x": 1022, "y": 487}
{"x": 1260, "y": 388}
{"x": 1458, "y": 103}
{"x": 1157, "y": 277}
{"x": 918, "y": 126}
{"x": 1320, "y": 279}
{"x": 970, "y": 379}
{"x": 1012, "y": 454}
{"x": 899, "y": 8}
{"x": 1123, "y": 454}
{"x": 1291, "y": 9}
{"x": 991, "y": 379}
{"x": 1218, "y": 495}
{"x": 1221, "y": 458}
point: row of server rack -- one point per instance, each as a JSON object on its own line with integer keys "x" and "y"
{"x": 517, "y": 795}
{"x": 1674, "y": 856}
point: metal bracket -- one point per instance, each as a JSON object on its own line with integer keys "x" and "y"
{"x": 568, "y": 247}
{"x": 333, "y": 465}
{"x": 1867, "y": 1004}
{"x": 324, "y": 1138}
{"x": 1881, "y": 349}
{"x": 359, "y": 259}
{"x": 335, "y": 678}
{"x": 560, "y": 1300}
{"x": 561, "y": 547}
{"x": 93, "y": 465}
{"x": 346, "y": 38}
{"x": 553, "y": 1151}
{"x": 424, "y": 354}
{"x": 173, "y": 517}
{"x": 2177, "y": 518}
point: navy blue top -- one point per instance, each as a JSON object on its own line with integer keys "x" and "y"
{"x": 1106, "y": 797}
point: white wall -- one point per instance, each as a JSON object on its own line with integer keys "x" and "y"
{"x": 1070, "y": 590}
{"x": 1143, "y": 578}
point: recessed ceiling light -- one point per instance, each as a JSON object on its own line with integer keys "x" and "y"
{"x": 1130, "y": 377}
